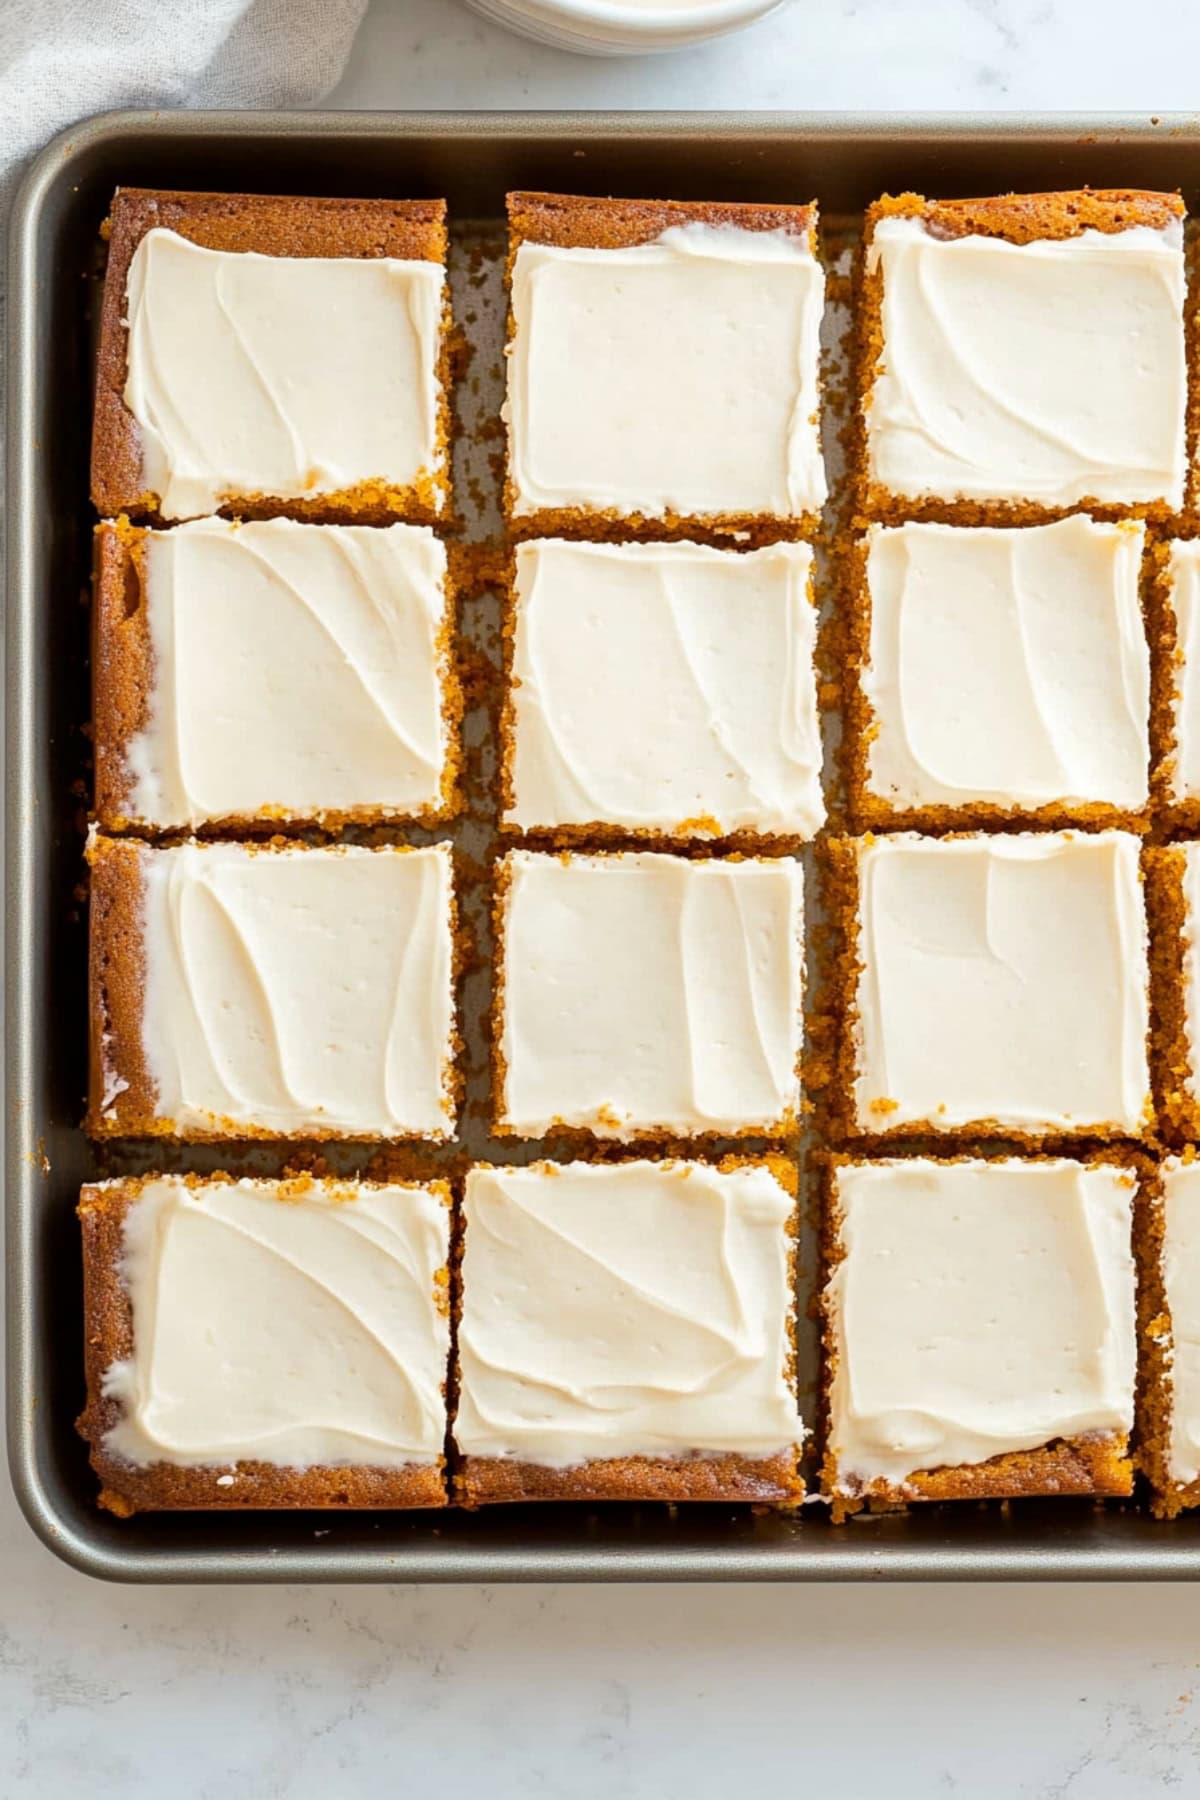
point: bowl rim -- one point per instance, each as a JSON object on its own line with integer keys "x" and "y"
{"x": 633, "y": 20}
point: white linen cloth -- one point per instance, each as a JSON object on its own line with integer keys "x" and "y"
{"x": 61, "y": 60}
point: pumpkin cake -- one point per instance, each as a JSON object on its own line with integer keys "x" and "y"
{"x": 266, "y": 1343}
{"x": 663, "y": 369}
{"x": 263, "y": 354}
{"x": 200, "y": 723}
{"x": 653, "y": 1357}
{"x": 272, "y": 990}
{"x": 644, "y": 996}
{"x": 999, "y": 675}
{"x": 1022, "y": 356}
{"x": 661, "y": 691}
{"x": 979, "y": 1329}
{"x": 992, "y": 986}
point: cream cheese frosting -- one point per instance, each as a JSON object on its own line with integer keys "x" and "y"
{"x": 1002, "y": 979}
{"x": 980, "y": 1308}
{"x": 1184, "y": 574}
{"x": 1008, "y": 666}
{"x": 299, "y": 989}
{"x": 634, "y": 1309}
{"x": 1181, "y": 1282}
{"x": 665, "y": 687}
{"x": 297, "y": 1327}
{"x": 675, "y": 376}
{"x": 296, "y": 671}
{"x": 647, "y": 992}
{"x": 1051, "y": 372}
{"x": 1191, "y": 963}
{"x": 279, "y": 375}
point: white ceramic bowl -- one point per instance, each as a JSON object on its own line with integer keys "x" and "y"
{"x": 622, "y": 27}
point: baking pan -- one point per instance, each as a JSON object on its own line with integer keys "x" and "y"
{"x": 471, "y": 159}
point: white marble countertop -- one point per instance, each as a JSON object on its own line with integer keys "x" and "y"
{"x": 894, "y": 55}
{"x": 1073, "y": 1693}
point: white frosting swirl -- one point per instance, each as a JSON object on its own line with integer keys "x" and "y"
{"x": 279, "y": 375}
{"x": 675, "y": 376}
{"x": 980, "y": 1308}
{"x": 296, "y": 671}
{"x": 646, "y": 992}
{"x": 300, "y": 989}
{"x": 638, "y": 1309}
{"x": 1052, "y": 371}
{"x": 301, "y": 1328}
{"x": 660, "y": 686}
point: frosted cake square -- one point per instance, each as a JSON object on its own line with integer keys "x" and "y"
{"x": 661, "y": 690}
{"x": 1179, "y": 587}
{"x": 643, "y": 995}
{"x": 263, "y": 354}
{"x": 1169, "y": 1310}
{"x": 273, "y": 990}
{"x": 980, "y": 1333}
{"x": 266, "y": 1343}
{"x": 993, "y": 985}
{"x": 1000, "y": 674}
{"x": 663, "y": 368}
{"x": 1173, "y": 895}
{"x": 1023, "y": 355}
{"x": 653, "y": 1358}
{"x": 272, "y": 672}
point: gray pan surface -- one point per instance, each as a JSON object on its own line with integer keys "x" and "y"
{"x": 471, "y": 159}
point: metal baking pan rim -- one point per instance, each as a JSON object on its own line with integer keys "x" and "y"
{"x": 984, "y": 1547}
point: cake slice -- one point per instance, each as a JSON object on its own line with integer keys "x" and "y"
{"x": 663, "y": 373}
{"x": 266, "y": 1343}
{"x": 979, "y": 1330}
{"x": 648, "y": 996}
{"x": 1023, "y": 355}
{"x": 993, "y": 986}
{"x": 272, "y": 673}
{"x": 1000, "y": 675}
{"x": 1179, "y": 586}
{"x": 1168, "y": 1244}
{"x": 661, "y": 691}
{"x": 272, "y": 990}
{"x": 1173, "y": 895}
{"x": 626, "y": 1331}
{"x": 263, "y": 354}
